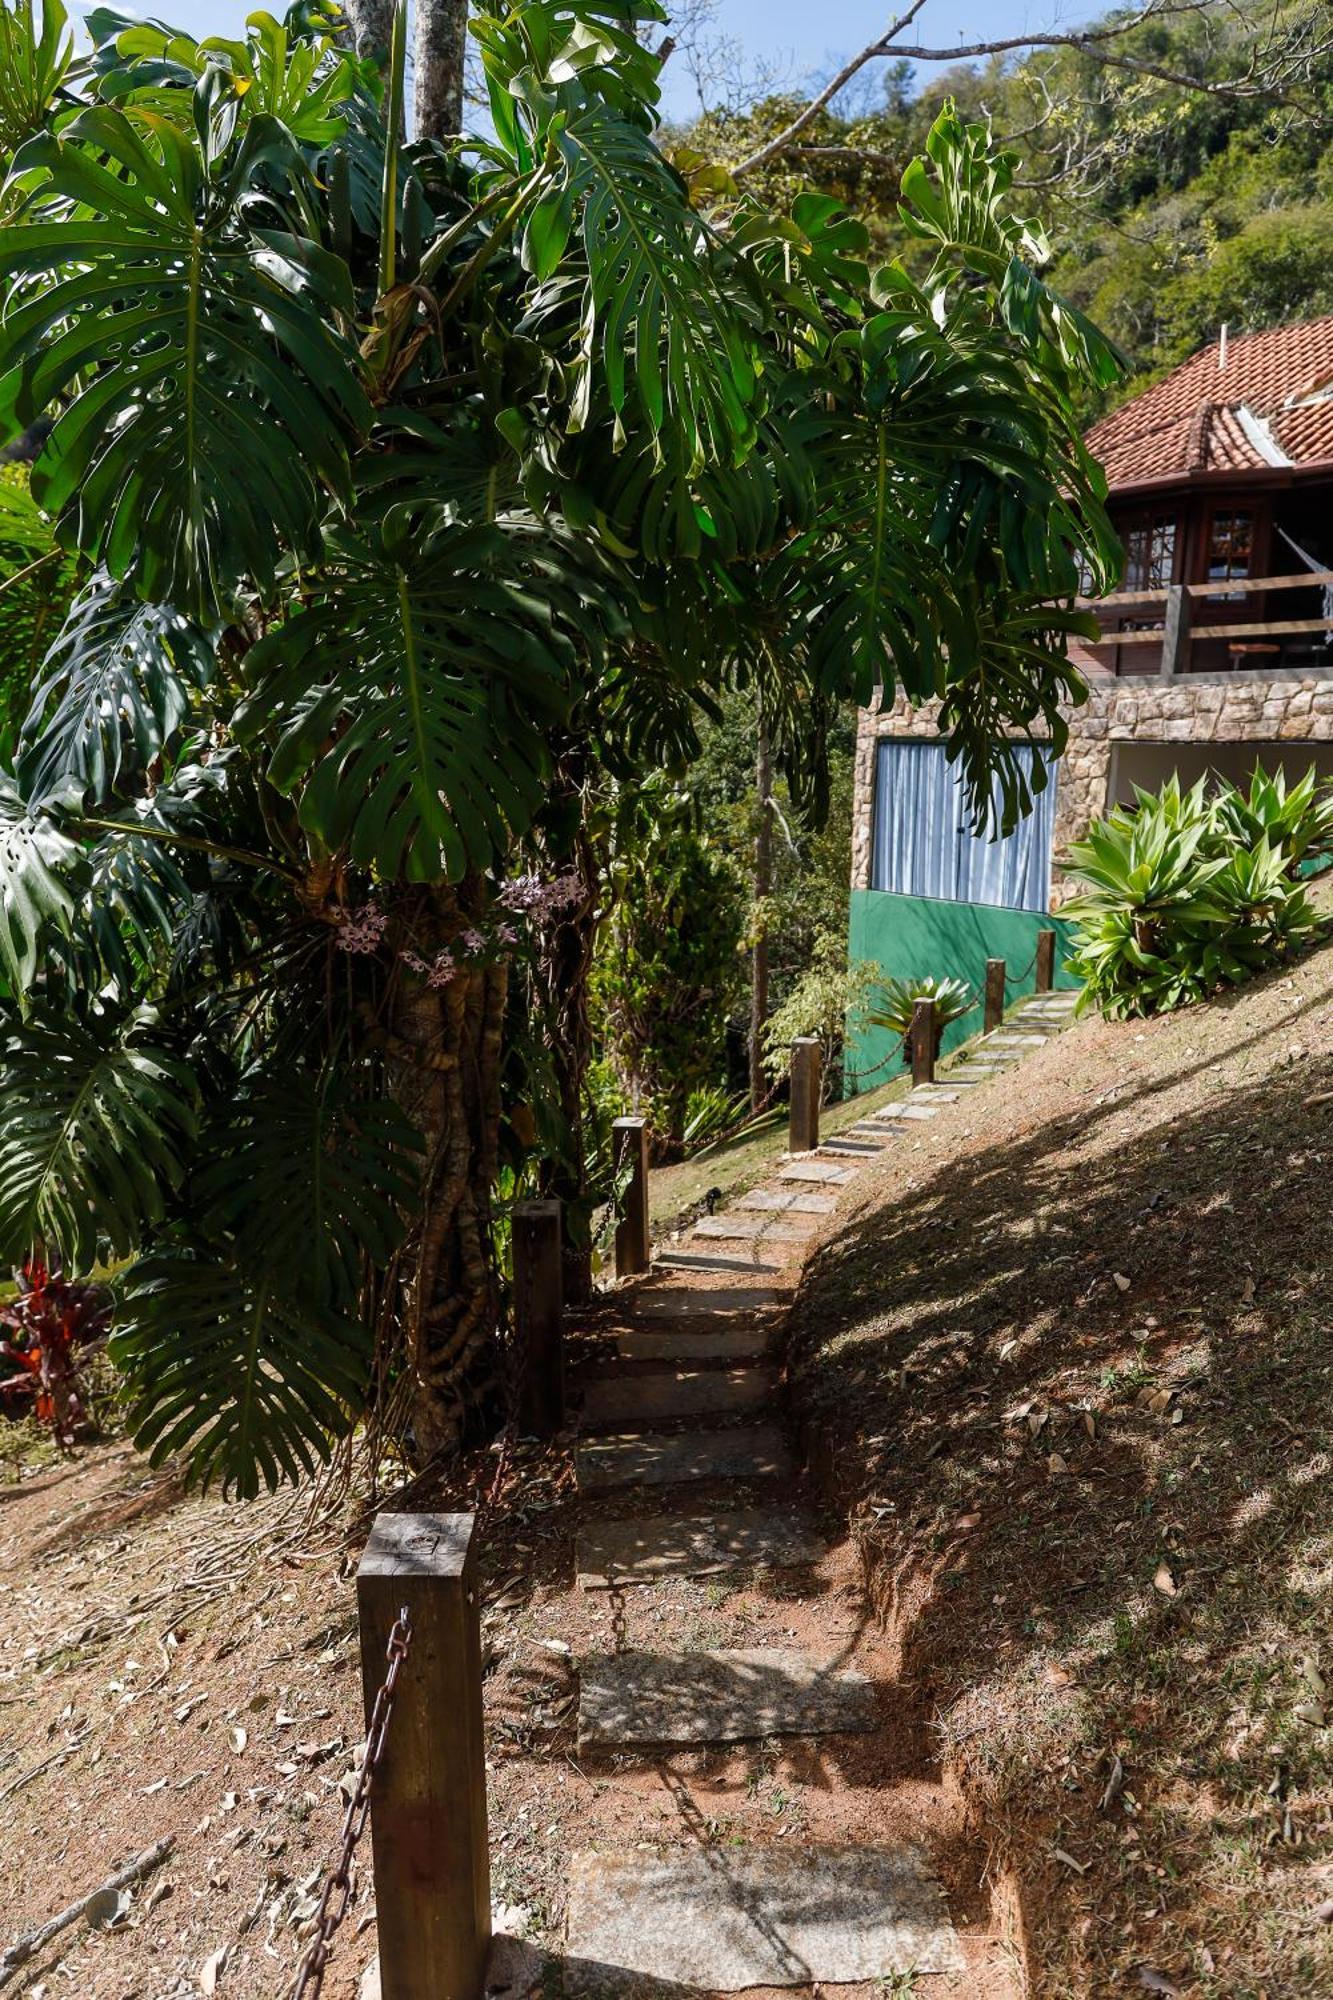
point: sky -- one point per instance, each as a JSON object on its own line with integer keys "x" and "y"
{"x": 806, "y": 44}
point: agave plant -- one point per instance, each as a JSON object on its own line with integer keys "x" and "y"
{"x": 894, "y": 1003}
{"x": 1297, "y": 819}
{"x": 425, "y": 494}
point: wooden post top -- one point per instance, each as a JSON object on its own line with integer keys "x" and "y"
{"x": 540, "y": 1211}
{"x": 628, "y": 1124}
{"x": 403, "y": 1545}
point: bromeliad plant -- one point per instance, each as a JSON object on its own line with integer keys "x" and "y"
{"x": 1191, "y": 891}
{"x": 423, "y": 492}
{"x": 894, "y": 1003}
{"x": 49, "y": 1331}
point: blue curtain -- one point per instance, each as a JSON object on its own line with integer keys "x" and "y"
{"x": 924, "y": 844}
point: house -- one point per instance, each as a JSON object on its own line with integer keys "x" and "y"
{"x": 1215, "y": 653}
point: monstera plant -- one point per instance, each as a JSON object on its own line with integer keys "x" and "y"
{"x": 423, "y": 493}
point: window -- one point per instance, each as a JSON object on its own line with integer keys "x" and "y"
{"x": 1150, "y": 553}
{"x": 1230, "y": 547}
{"x": 924, "y": 844}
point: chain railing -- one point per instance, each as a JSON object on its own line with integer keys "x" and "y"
{"x": 309, "y": 1978}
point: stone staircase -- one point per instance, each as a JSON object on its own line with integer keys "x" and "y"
{"x": 679, "y": 1418}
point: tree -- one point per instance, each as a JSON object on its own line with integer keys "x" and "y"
{"x": 425, "y": 494}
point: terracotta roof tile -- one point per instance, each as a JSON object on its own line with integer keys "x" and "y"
{"x": 1187, "y": 422}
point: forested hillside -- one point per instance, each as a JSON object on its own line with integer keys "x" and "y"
{"x": 1172, "y": 206}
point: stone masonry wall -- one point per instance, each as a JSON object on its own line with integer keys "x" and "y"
{"x": 1202, "y": 708}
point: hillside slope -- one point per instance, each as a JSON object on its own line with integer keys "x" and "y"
{"x": 1069, "y": 1361}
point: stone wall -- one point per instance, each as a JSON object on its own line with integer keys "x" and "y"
{"x": 1194, "y": 708}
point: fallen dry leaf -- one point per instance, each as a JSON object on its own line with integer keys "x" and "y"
{"x": 1164, "y": 1581}
{"x": 1157, "y": 1982}
{"x": 1121, "y": 1281}
{"x": 212, "y": 1969}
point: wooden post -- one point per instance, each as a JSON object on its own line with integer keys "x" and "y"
{"x": 428, "y": 1812}
{"x": 923, "y": 1042}
{"x": 995, "y": 980}
{"x": 1176, "y": 632}
{"x": 538, "y": 1318}
{"x": 807, "y": 1087}
{"x": 629, "y": 1139}
{"x": 1045, "y": 961}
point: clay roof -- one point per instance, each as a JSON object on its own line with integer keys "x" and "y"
{"x": 1270, "y": 402}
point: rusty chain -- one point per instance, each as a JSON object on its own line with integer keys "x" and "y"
{"x": 310, "y": 1973}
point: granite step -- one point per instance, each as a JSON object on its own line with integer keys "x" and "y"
{"x": 706, "y": 1341}
{"x": 739, "y": 1227}
{"x": 1009, "y": 1041}
{"x": 843, "y": 1148}
{"x": 697, "y": 1260}
{"x": 720, "y": 1919}
{"x": 787, "y": 1201}
{"x": 817, "y": 1170}
{"x": 678, "y": 1301}
{"x": 669, "y": 1395}
{"x": 629, "y": 1699}
{"x": 748, "y": 1451}
{"x": 612, "y": 1552}
{"x": 932, "y": 1093}
{"x": 905, "y": 1112}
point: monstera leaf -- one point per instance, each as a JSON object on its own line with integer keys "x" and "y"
{"x": 96, "y": 1121}
{"x": 190, "y": 339}
{"x": 237, "y": 1368}
{"x": 117, "y": 686}
{"x": 40, "y": 864}
{"x": 409, "y": 703}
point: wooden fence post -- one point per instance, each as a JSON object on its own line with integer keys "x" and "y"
{"x": 923, "y": 1042}
{"x": 995, "y": 980}
{"x": 629, "y": 1139}
{"x": 1176, "y": 632}
{"x": 539, "y": 1308}
{"x": 1045, "y": 961}
{"x": 428, "y": 1814}
{"x": 807, "y": 1087}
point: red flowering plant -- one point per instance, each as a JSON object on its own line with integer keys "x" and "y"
{"x": 52, "y": 1325}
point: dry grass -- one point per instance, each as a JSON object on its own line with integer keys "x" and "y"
{"x": 1073, "y": 1357}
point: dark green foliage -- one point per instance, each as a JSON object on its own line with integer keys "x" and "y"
{"x": 669, "y": 972}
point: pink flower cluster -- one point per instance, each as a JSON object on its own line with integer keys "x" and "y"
{"x": 362, "y": 931}
{"x": 529, "y": 896}
{"x": 437, "y": 971}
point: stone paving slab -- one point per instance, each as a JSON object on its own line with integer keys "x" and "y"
{"x": 705, "y": 1342}
{"x": 789, "y": 1201}
{"x": 751, "y": 1451}
{"x": 700, "y": 1301}
{"x": 933, "y": 1093}
{"x": 741, "y": 1228}
{"x": 681, "y": 1392}
{"x": 610, "y": 1552}
{"x": 722, "y": 1697}
{"x": 906, "y": 1109}
{"x": 698, "y": 1260}
{"x": 720, "y": 1919}
{"x": 1024, "y": 1041}
{"x": 850, "y": 1149}
{"x": 817, "y": 1170}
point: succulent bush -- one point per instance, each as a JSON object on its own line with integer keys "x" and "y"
{"x": 896, "y": 1001}
{"x": 1187, "y": 892}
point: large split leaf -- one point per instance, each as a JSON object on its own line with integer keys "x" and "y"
{"x": 40, "y": 869}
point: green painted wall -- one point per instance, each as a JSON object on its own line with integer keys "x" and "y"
{"x": 911, "y": 936}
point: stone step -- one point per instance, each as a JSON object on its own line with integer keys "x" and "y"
{"x": 697, "y": 1301}
{"x": 878, "y": 1136}
{"x": 843, "y": 1148}
{"x": 707, "y": 1341}
{"x": 724, "y": 1697}
{"x": 905, "y": 1111}
{"x": 932, "y": 1093}
{"x": 611, "y": 1552}
{"x": 787, "y": 1201}
{"x": 750, "y": 1451}
{"x": 719, "y": 1919}
{"x": 698, "y": 1260}
{"x": 667, "y": 1395}
{"x": 817, "y": 1170}
{"x": 741, "y": 1228}
{"x": 1030, "y": 1041}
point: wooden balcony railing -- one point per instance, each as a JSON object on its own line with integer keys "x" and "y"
{"x": 1186, "y": 627}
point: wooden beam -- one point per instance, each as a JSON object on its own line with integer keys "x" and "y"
{"x": 1045, "y": 961}
{"x": 428, "y": 1812}
{"x": 996, "y": 974}
{"x": 1153, "y": 637}
{"x": 1176, "y": 634}
{"x": 1269, "y": 631}
{"x": 539, "y": 1311}
{"x": 629, "y": 1145}
{"x": 807, "y": 1086}
{"x": 923, "y": 1042}
{"x": 1247, "y": 585}
{"x": 1120, "y": 598}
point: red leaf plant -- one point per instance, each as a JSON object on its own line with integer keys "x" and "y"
{"x": 53, "y": 1323}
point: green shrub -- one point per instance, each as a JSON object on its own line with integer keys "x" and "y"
{"x": 1187, "y": 892}
{"x": 826, "y": 994}
{"x": 896, "y": 1003}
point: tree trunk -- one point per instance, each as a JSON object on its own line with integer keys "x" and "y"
{"x": 372, "y": 28}
{"x": 762, "y": 889}
{"x": 446, "y": 1046}
{"x": 566, "y": 964}
{"x": 437, "y": 67}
